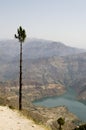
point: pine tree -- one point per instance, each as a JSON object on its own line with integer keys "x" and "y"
{"x": 21, "y": 35}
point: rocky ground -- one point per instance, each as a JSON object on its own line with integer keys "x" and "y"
{"x": 49, "y": 116}
{"x": 13, "y": 120}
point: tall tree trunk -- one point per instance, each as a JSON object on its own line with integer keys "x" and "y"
{"x": 60, "y": 128}
{"x": 20, "y": 79}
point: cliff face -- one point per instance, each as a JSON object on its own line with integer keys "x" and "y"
{"x": 69, "y": 71}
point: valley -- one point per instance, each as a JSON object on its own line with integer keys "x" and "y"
{"x": 50, "y": 69}
{"x": 69, "y": 100}
{"x": 55, "y": 65}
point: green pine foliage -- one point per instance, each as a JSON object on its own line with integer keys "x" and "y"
{"x": 61, "y": 122}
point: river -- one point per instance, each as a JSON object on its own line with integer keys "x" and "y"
{"x": 69, "y": 100}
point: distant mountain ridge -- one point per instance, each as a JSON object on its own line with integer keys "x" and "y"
{"x": 36, "y": 48}
{"x": 43, "y": 48}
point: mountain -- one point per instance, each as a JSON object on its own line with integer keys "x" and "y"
{"x": 49, "y": 68}
{"x": 35, "y": 51}
{"x": 44, "y": 63}
{"x": 35, "y": 48}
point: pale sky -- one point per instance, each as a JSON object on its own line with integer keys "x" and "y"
{"x": 58, "y": 20}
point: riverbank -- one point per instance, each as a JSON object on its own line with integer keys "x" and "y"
{"x": 68, "y": 99}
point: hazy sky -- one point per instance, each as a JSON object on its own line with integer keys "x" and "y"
{"x": 58, "y": 20}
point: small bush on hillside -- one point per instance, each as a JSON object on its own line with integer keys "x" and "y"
{"x": 61, "y": 122}
{"x": 11, "y": 107}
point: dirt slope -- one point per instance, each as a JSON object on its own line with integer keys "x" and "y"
{"x": 12, "y": 120}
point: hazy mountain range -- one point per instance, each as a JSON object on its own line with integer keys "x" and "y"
{"x": 44, "y": 62}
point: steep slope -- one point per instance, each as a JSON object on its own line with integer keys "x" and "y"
{"x": 12, "y": 120}
{"x": 44, "y": 63}
{"x": 32, "y": 49}
{"x": 66, "y": 71}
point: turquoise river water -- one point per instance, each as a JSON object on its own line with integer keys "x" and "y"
{"x": 69, "y": 100}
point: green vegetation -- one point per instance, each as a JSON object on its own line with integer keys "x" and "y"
{"x": 61, "y": 122}
{"x": 21, "y": 35}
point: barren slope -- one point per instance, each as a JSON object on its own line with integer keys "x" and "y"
{"x": 12, "y": 120}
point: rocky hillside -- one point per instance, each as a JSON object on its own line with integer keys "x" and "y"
{"x": 34, "y": 49}
{"x": 13, "y": 120}
{"x": 45, "y": 64}
{"x": 48, "y": 69}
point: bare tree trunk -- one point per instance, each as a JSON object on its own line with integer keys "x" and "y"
{"x": 60, "y": 128}
{"x": 20, "y": 79}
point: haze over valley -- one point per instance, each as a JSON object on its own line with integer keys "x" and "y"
{"x": 44, "y": 62}
{"x": 50, "y": 69}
